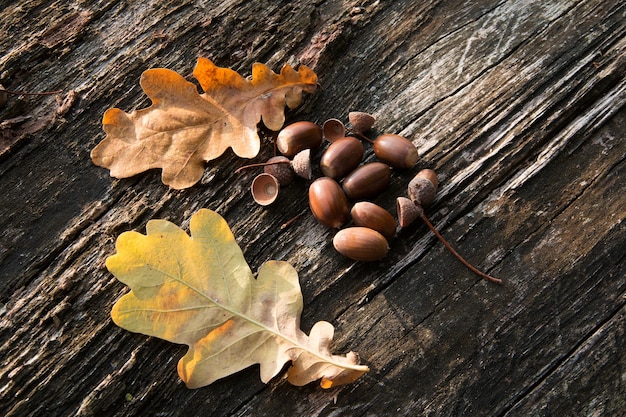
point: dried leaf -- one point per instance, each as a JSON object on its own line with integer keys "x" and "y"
{"x": 200, "y": 291}
{"x": 182, "y": 128}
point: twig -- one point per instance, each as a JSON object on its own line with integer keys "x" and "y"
{"x": 455, "y": 253}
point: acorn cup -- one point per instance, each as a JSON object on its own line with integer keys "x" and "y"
{"x": 3, "y": 96}
{"x": 333, "y": 129}
{"x": 280, "y": 167}
{"x": 408, "y": 212}
{"x": 423, "y": 187}
{"x": 301, "y": 164}
{"x": 265, "y": 189}
{"x": 361, "y": 121}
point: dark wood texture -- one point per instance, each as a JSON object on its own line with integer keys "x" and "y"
{"x": 518, "y": 105}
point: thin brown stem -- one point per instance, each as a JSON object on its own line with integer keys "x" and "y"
{"x": 290, "y": 221}
{"x": 261, "y": 164}
{"x": 459, "y": 257}
{"x": 360, "y": 135}
{"x": 24, "y": 93}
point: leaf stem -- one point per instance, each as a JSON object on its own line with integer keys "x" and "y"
{"x": 455, "y": 253}
{"x": 290, "y": 221}
{"x": 261, "y": 164}
{"x": 359, "y": 134}
{"x": 25, "y": 93}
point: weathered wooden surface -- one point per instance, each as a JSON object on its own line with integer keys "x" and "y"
{"x": 518, "y": 105}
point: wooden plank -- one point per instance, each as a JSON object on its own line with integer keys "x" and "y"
{"x": 519, "y": 107}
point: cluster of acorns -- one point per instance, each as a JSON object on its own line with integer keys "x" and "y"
{"x": 347, "y": 179}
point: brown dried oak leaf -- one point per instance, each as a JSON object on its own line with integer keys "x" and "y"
{"x": 199, "y": 290}
{"x": 183, "y": 129}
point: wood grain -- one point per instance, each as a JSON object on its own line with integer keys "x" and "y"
{"x": 518, "y": 105}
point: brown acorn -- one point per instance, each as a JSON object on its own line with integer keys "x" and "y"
{"x": 396, "y": 151}
{"x": 367, "y": 180}
{"x": 280, "y": 167}
{"x": 265, "y": 189}
{"x": 375, "y": 217}
{"x": 361, "y": 121}
{"x": 361, "y": 244}
{"x": 333, "y": 129}
{"x": 423, "y": 187}
{"x": 328, "y": 202}
{"x": 342, "y": 157}
{"x": 297, "y": 137}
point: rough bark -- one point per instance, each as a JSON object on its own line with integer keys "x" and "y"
{"x": 518, "y": 106}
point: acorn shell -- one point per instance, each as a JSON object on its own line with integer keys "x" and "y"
{"x": 342, "y": 157}
{"x": 367, "y": 180}
{"x": 361, "y": 244}
{"x": 375, "y": 217}
{"x": 333, "y": 129}
{"x": 328, "y": 202}
{"x": 297, "y": 137}
{"x": 282, "y": 171}
{"x": 265, "y": 189}
{"x": 396, "y": 151}
{"x": 361, "y": 121}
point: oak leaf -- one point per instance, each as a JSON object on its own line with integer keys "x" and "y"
{"x": 183, "y": 129}
{"x": 200, "y": 291}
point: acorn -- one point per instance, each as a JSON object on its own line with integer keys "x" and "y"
{"x": 423, "y": 187}
{"x": 361, "y": 244}
{"x": 328, "y": 202}
{"x": 396, "y": 151}
{"x": 342, "y": 157}
{"x": 375, "y": 217}
{"x": 333, "y": 129}
{"x": 408, "y": 212}
{"x": 280, "y": 167}
{"x": 367, "y": 180}
{"x": 264, "y": 189}
{"x": 361, "y": 121}
{"x": 297, "y": 137}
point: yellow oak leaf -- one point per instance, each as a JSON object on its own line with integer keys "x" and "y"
{"x": 183, "y": 129}
{"x": 198, "y": 290}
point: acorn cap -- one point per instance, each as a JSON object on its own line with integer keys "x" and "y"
{"x": 423, "y": 187}
{"x": 408, "y": 212}
{"x": 3, "y": 96}
{"x": 360, "y": 121}
{"x": 333, "y": 129}
{"x": 301, "y": 164}
{"x": 282, "y": 171}
{"x": 265, "y": 189}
